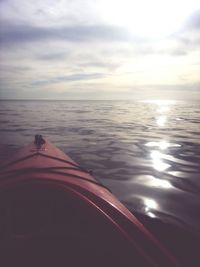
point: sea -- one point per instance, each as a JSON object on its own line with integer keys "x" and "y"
{"x": 146, "y": 152}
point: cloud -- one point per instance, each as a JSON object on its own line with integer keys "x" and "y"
{"x": 66, "y": 48}
{"x": 68, "y": 78}
{"x": 193, "y": 23}
{"x": 52, "y": 56}
{"x": 13, "y": 69}
{"x": 49, "y": 13}
{"x": 11, "y": 34}
{"x": 189, "y": 34}
{"x": 100, "y": 64}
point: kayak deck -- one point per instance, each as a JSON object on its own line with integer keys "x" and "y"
{"x": 48, "y": 221}
{"x": 48, "y": 201}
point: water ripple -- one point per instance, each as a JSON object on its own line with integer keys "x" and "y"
{"x": 147, "y": 153}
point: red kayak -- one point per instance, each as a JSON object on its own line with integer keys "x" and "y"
{"x": 55, "y": 213}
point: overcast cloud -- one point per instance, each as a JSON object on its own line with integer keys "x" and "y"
{"x": 85, "y": 50}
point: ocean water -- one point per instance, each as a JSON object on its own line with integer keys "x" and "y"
{"x": 147, "y": 153}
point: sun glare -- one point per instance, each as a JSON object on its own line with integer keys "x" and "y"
{"x": 150, "y": 203}
{"x": 155, "y": 18}
{"x": 158, "y": 163}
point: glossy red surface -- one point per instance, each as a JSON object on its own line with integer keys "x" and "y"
{"x": 35, "y": 178}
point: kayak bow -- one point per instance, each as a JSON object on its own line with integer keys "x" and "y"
{"x": 55, "y": 213}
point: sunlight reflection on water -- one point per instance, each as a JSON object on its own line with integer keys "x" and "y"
{"x": 162, "y": 109}
{"x": 160, "y": 102}
{"x": 162, "y": 106}
{"x": 151, "y": 181}
{"x": 163, "y": 144}
{"x": 150, "y": 205}
{"x": 161, "y": 120}
{"x": 158, "y": 164}
{"x": 160, "y": 183}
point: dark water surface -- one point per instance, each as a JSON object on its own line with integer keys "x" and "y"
{"x": 147, "y": 153}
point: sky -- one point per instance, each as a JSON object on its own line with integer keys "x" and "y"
{"x": 99, "y": 49}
